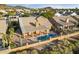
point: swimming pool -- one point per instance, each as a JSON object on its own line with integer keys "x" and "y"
{"x": 46, "y": 37}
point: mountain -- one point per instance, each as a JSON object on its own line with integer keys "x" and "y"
{"x": 3, "y": 6}
{"x": 21, "y": 7}
{"x": 50, "y": 8}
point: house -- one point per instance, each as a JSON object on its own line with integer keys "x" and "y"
{"x": 32, "y": 25}
{"x": 9, "y": 10}
{"x": 3, "y": 27}
{"x": 19, "y": 10}
{"x": 3, "y": 11}
{"x": 58, "y": 14}
{"x": 14, "y": 18}
{"x": 73, "y": 14}
{"x": 66, "y": 13}
{"x": 27, "y": 10}
{"x": 65, "y": 21}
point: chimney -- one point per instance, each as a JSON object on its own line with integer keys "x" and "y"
{"x": 67, "y": 20}
{"x": 36, "y": 23}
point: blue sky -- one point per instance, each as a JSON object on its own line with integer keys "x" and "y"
{"x": 48, "y": 5}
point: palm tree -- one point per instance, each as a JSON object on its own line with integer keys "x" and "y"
{"x": 4, "y": 40}
{"x": 10, "y": 36}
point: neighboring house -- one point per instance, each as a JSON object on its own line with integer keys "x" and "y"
{"x": 66, "y": 13}
{"x": 58, "y": 14}
{"x": 65, "y": 21}
{"x": 31, "y": 25}
{"x": 73, "y": 14}
{"x": 3, "y": 11}
{"x": 19, "y": 10}
{"x": 8, "y": 10}
{"x": 27, "y": 10}
{"x": 13, "y": 18}
{"x": 3, "y": 27}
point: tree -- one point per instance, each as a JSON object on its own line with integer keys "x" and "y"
{"x": 34, "y": 51}
{"x": 64, "y": 47}
{"x": 25, "y": 15}
{"x": 55, "y": 50}
{"x": 76, "y": 43}
{"x": 11, "y": 13}
{"x": 68, "y": 46}
{"x": 33, "y": 10}
{"x": 1, "y": 13}
{"x": 49, "y": 14}
{"x": 4, "y": 40}
{"x": 10, "y": 36}
{"x": 46, "y": 52}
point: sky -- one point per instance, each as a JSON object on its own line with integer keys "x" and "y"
{"x": 47, "y": 5}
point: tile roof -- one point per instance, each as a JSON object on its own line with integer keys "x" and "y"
{"x": 26, "y": 26}
{"x": 3, "y": 27}
{"x": 62, "y": 20}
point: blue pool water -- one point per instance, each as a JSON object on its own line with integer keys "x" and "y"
{"x": 46, "y": 37}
